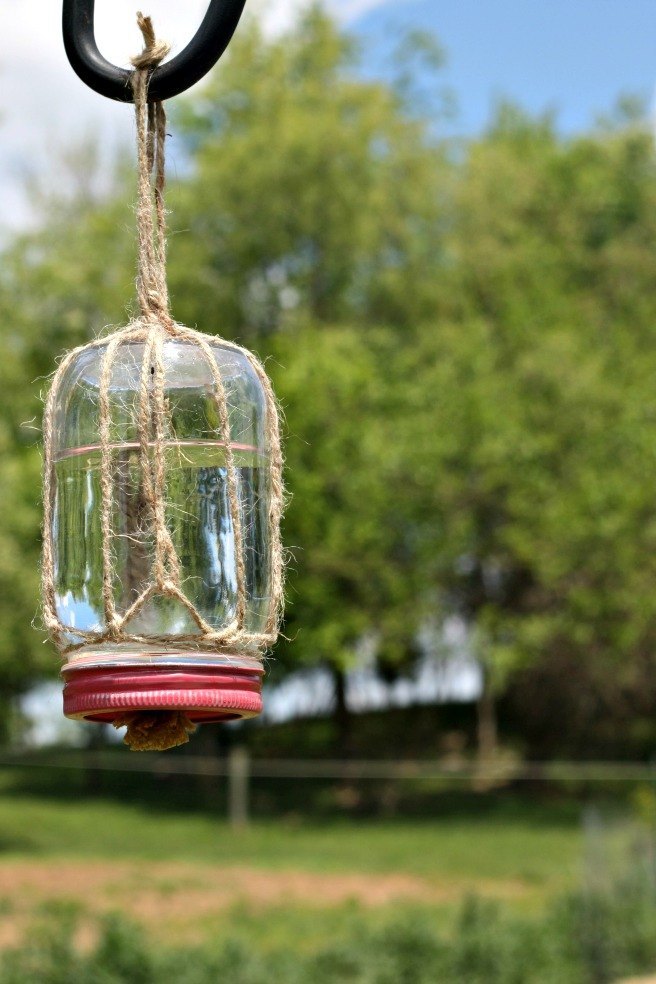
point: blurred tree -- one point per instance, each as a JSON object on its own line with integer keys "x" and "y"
{"x": 542, "y": 518}
{"x": 314, "y": 194}
{"x": 356, "y": 571}
{"x": 22, "y": 654}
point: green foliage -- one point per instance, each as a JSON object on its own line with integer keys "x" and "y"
{"x": 314, "y": 194}
{"x": 581, "y": 939}
{"x": 356, "y": 566}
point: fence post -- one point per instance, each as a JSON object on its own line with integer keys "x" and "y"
{"x": 238, "y": 776}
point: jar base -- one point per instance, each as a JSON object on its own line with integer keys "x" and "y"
{"x": 224, "y": 692}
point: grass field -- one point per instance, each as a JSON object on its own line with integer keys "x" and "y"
{"x": 282, "y": 885}
{"x": 178, "y": 868}
{"x": 527, "y": 843}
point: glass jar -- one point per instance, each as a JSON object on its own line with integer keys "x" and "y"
{"x": 198, "y": 520}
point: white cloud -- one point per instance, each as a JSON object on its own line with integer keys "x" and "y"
{"x": 45, "y": 106}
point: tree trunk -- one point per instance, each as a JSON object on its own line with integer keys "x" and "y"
{"x": 486, "y": 725}
{"x": 341, "y": 714}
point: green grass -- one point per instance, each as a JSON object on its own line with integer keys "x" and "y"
{"x": 579, "y": 939}
{"x": 515, "y": 840}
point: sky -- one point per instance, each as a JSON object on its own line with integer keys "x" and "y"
{"x": 574, "y": 56}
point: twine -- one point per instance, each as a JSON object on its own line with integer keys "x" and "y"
{"x": 152, "y": 329}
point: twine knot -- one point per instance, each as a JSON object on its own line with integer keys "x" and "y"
{"x": 154, "y": 49}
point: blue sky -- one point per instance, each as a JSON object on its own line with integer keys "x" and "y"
{"x": 575, "y": 56}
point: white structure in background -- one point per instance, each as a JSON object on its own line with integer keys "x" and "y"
{"x": 447, "y": 671}
{"x": 46, "y": 725}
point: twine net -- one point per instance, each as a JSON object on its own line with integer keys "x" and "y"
{"x": 152, "y": 328}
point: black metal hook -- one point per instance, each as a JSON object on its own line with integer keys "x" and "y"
{"x": 193, "y": 62}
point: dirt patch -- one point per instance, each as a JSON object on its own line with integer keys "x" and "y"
{"x": 174, "y": 898}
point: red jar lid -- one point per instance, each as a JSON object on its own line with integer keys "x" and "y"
{"x": 204, "y": 693}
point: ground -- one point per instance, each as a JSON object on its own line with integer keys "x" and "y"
{"x": 179, "y": 900}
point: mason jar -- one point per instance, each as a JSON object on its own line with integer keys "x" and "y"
{"x": 170, "y": 653}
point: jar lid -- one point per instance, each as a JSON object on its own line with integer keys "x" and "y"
{"x": 204, "y": 693}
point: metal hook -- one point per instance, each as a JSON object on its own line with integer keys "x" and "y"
{"x": 193, "y": 62}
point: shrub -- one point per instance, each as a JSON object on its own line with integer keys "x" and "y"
{"x": 585, "y": 937}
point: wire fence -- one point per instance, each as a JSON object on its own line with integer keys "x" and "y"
{"x": 239, "y": 770}
{"x": 338, "y": 769}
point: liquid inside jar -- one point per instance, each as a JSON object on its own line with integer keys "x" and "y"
{"x": 197, "y": 507}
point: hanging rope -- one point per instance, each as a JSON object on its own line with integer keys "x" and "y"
{"x": 152, "y": 329}
{"x": 152, "y": 290}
